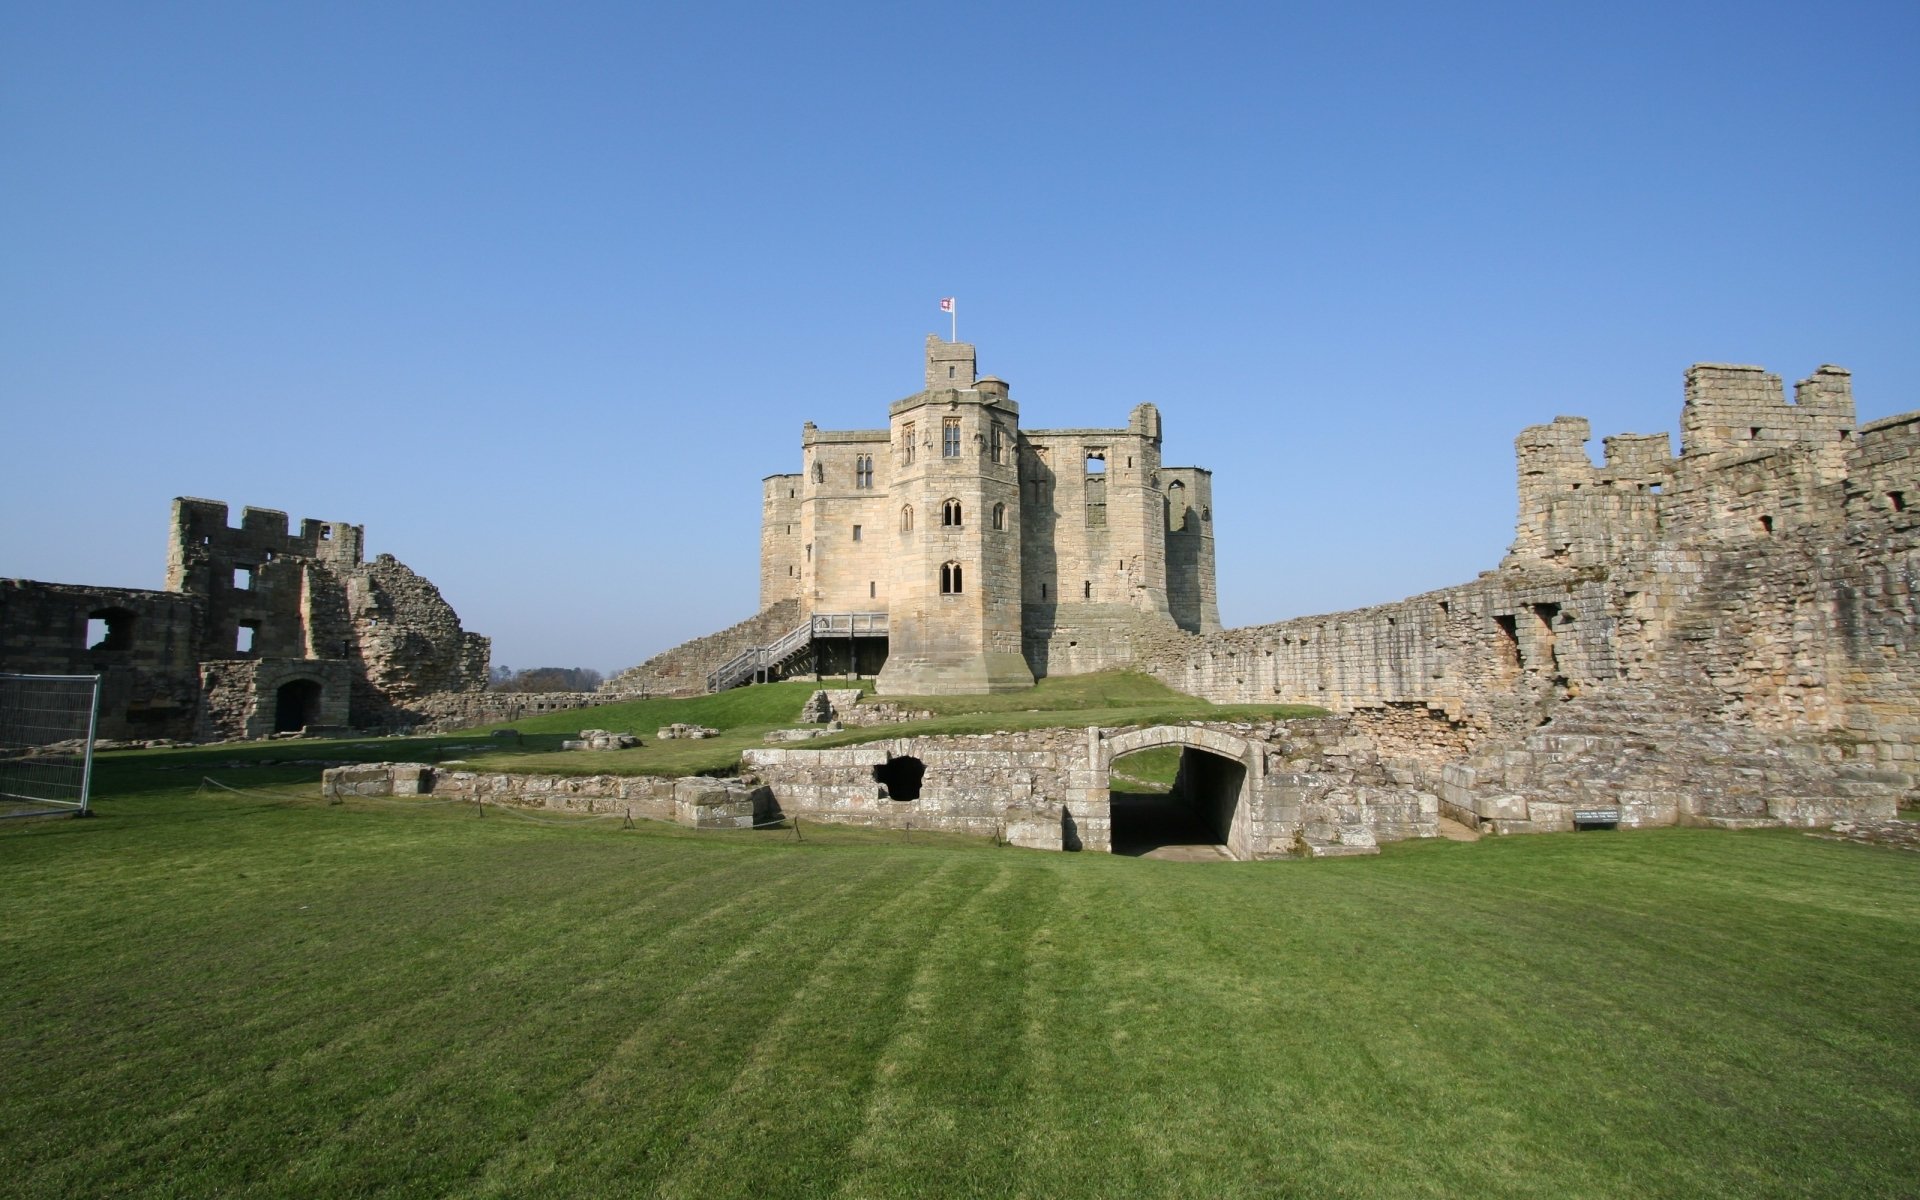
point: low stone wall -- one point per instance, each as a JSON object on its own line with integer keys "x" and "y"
{"x": 466, "y": 710}
{"x": 1288, "y": 787}
{"x": 697, "y": 803}
{"x": 1029, "y": 788}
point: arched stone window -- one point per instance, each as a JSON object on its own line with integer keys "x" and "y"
{"x": 863, "y": 471}
{"x": 950, "y": 579}
{"x": 906, "y": 519}
{"x": 999, "y": 516}
{"x": 950, "y": 513}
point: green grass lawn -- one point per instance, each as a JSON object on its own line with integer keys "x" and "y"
{"x": 220, "y": 994}
{"x": 744, "y": 716}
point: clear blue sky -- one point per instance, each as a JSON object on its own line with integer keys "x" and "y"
{"x": 539, "y": 293}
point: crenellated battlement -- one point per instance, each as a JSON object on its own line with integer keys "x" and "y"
{"x": 1751, "y": 465}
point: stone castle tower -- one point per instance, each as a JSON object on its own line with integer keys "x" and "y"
{"x": 996, "y": 554}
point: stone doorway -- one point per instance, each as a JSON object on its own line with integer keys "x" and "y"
{"x": 296, "y": 705}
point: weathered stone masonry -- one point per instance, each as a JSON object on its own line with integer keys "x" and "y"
{"x": 260, "y": 629}
{"x": 1273, "y": 789}
{"x": 1725, "y": 636}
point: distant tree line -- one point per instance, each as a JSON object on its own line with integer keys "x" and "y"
{"x": 545, "y": 679}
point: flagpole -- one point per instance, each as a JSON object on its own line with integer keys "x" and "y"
{"x": 953, "y": 314}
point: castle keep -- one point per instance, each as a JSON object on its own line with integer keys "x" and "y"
{"x": 984, "y": 553}
{"x": 258, "y": 630}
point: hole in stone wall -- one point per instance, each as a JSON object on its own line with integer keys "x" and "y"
{"x": 296, "y": 706}
{"x": 1766, "y": 523}
{"x": 110, "y": 629}
{"x": 243, "y": 637}
{"x": 1509, "y": 639}
{"x": 326, "y": 533}
{"x": 1086, "y": 590}
{"x": 901, "y": 777}
{"x": 1898, "y": 500}
{"x": 243, "y": 579}
{"x": 1753, "y": 433}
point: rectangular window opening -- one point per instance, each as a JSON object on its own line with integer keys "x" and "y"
{"x": 243, "y": 638}
{"x": 243, "y": 579}
{"x": 856, "y": 533}
{"x": 1509, "y": 639}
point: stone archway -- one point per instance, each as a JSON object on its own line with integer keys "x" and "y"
{"x": 1219, "y": 777}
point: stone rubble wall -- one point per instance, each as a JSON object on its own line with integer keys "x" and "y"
{"x": 683, "y": 670}
{"x": 1758, "y": 591}
{"x": 467, "y": 710}
{"x": 377, "y": 639}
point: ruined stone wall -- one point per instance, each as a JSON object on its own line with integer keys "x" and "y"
{"x": 1762, "y": 584}
{"x": 683, "y": 670}
{"x": 255, "y": 698}
{"x": 1193, "y": 598}
{"x": 466, "y": 710}
{"x": 376, "y": 638}
{"x": 406, "y": 643}
{"x": 1095, "y": 517}
{"x": 142, "y": 646}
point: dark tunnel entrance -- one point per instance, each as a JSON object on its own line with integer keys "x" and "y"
{"x": 296, "y": 706}
{"x": 1175, "y": 802}
{"x": 901, "y": 777}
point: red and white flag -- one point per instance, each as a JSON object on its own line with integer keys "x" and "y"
{"x": 946, "y": 304}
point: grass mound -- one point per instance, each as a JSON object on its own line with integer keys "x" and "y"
{"x": 259, "y": 994}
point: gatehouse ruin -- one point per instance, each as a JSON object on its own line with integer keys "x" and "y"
{"x": 260, "y": 629}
